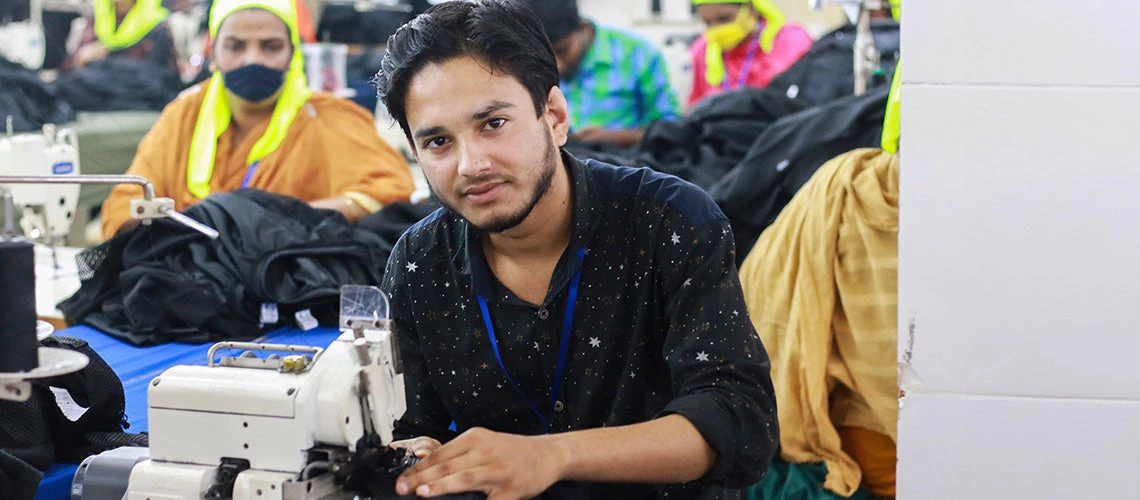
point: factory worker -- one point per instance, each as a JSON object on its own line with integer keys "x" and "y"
{"x": 747, "y": 43}
{"x": 256, "y": 124}
{"x": 581, "y": 323}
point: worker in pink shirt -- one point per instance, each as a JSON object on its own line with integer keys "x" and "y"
{"x": 747, "y": 43}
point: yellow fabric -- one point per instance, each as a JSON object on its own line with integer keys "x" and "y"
{"x": 891, "y": 123}
{"x": 214, "y": 117}
{"x": 143, "y": 17}
{"x": 727, "y": 36}
{"x": 331, "y": 150}
{"x": 821, "y": 289}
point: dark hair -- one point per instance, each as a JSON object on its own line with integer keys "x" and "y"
{"x": 504, "y": 34}
{"x": 559, "y": 17}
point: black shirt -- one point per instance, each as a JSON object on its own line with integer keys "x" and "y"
{"x": 659, "y": 327}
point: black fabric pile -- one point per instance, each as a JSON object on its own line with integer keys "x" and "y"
{"x": 391, "y": 221}
{"x": 169, "y": 283}
{"x": 36, "y": 433}
{"x": 26, "y": 99}
{"x": 345, "y": 23}
{"x": 118, "y": 84}
{"x": 787, "y": 154}
{"x": 705, "y": 145}
{"x": 827, "y": 71}
{"x": 753, "y": 149}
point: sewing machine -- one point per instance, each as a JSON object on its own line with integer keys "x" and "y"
{"x": 56, "y": 151}
{"x": 292, "y": 425}
{"x": 47, "y": 210}
{"x": 24, "y": 41}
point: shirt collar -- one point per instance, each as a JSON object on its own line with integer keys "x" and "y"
{"x": 469, "y": 258}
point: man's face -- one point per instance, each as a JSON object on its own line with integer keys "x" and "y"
{"x": 485, "y": 154}
{"x": 569, "y": 51}
{"x": 252, "y": 36}
{"x": 716, "y": 14}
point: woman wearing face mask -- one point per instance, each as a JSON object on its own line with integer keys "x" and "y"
{"x": 746, "y": 44}
{"x": 256, "y": 124}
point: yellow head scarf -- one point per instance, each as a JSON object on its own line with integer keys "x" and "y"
{"x": 214, "y": 116}
{"x": 143, "y": 17}
{"x": 714, "y": 57}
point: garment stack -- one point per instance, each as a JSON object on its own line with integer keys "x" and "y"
{"x": 168, "y": 283}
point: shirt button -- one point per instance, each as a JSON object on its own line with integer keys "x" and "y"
{"x": 558, "y": 406}
{"x": 543, "y": 313}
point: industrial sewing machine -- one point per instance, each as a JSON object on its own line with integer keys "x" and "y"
{"x": 47, "y": 210}
{"x": 303, "y": 423}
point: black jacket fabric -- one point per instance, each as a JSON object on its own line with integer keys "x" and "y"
{"x": 29, "y": 102}
{"x": 18, "y": 480}
{"x": 703, "y": 146}
{"x": 827, "y": 71}
{"x": 168, "y": 283}
{"x": 118, "y": 84}
{"x": 787, "y": 154}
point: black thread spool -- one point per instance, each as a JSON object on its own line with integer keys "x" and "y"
{"x": 18, "y": 343}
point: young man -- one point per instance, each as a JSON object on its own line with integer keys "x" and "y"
{"x": 581, "y": 323}
{"x": 256, "y": 124}
{"x": 615, "y": 81}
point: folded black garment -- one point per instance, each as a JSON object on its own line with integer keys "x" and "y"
{"x": 705, "y": 145}
{"x": 168, "y": 283}
{"x": 787, "y": 154}
{"x": 827, "y": 71}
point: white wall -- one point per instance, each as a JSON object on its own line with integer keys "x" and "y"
{"x": 1019, "y": 250}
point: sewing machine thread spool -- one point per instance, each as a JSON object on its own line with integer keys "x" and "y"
{"x": 18, "y": 343}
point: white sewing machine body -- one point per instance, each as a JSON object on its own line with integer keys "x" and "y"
{"x": 48, "y": 209}
{"x": 305, "y": 423}
{"x": 280, "y": 420}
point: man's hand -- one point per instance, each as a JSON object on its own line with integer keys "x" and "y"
{"x": 504, "y": 466}
{"x": 420, "y": 447}
{"x": 345, "y": 206}
{"x": 90, "y": 53}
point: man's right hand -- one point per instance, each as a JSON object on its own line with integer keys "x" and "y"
{"x": 420, "y": 447}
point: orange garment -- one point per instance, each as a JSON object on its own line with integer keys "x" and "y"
{"x": 876, "y": 455}
{"x": 306, "y": 30}
{"x": 821, "y": 286}
{"x": 331, "y": 149}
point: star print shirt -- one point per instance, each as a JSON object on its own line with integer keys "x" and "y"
{"x": 659, "y": 327}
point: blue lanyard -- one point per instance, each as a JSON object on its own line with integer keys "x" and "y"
{"x": 563, "y": 345}
{"x": 743, "y": 78}
{"x": 249, "y": 174}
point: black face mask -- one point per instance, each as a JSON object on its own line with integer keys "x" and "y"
{"x": 254, "y": 82}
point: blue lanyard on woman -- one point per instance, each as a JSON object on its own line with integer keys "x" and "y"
{"x": 744, "y": 69}
{"x": 249, "y": 174}
{"x": 563, "y": 345}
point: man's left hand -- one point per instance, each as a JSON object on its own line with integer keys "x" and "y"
{"x": 504, "y": 466}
